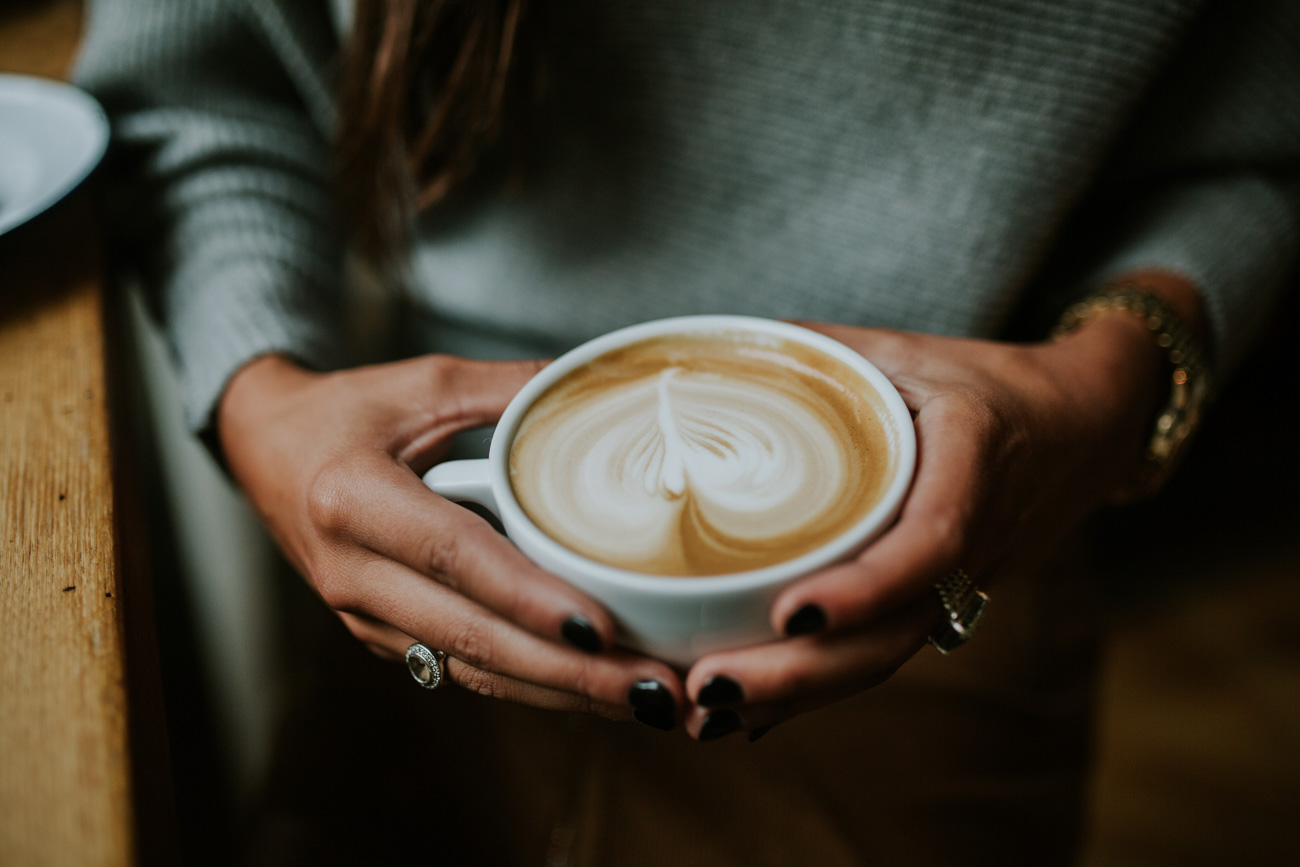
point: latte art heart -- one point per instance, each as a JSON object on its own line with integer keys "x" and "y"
{"x": 692, "y": 456}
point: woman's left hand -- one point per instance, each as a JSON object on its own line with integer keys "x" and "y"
{"x": 1016, "y": 445}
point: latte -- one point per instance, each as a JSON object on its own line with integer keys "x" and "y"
{"x": 703, "y": 454}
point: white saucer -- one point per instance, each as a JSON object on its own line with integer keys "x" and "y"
{"x": 51, "y": 136}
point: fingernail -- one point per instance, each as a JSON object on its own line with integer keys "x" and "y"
{"x": 719, "y": 689}
{"x": 718, "y": 724}
{"x": 579, "y": 632}
{"x": 757, "y": 733}
{"x": 806, "y": 621}
{"x": 653, "y": 705}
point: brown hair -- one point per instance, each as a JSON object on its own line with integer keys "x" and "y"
{"x": 427, "y": 88}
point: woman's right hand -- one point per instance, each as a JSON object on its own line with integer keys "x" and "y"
{"x": 332, "y": 463}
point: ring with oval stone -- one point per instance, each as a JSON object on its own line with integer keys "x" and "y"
{"x": 425, "y": 665}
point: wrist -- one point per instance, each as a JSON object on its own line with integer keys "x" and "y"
{"x": 255, "y": 389}
{"x": 1165, "y": 312}
{"x": 1111, "y": 370}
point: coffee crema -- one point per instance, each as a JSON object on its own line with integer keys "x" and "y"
{"x": 694, "y": 455}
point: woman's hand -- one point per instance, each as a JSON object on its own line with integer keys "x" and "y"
{"x": 332, "y": 462}
{"x": 1017, "y": 444}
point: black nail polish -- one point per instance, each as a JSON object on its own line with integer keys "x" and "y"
{"x": 719, "y": 689}
{"x": 579, "y": 632}
{"x": 806, "y": 621}
{"x": 757, "y": 733}
{"x": 653, "y": 705}
{"x": 719, "y": 724}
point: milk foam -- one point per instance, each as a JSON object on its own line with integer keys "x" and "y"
{"x": 689, "y": 456}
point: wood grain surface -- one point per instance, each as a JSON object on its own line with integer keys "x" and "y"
{"x": 64, "y": 787}
{"x": 38, "y": 37}
{"x": 69, "y": 790}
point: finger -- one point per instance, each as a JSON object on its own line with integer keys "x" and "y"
{"x": 892, "y": 351}
{"x": 389, "y": 643}
{"x": 451, "y": 395}
{"x": 380, "y": 638}
{"x": 483, "y": 388}
{"x": 808, "y": 672}
{"x": 381, "y": 505}
{"x": 750, "y": 722}
{"x": 409, "y": 604}
{"x": 930, "y": 539}
{"x": 510, "y": 689}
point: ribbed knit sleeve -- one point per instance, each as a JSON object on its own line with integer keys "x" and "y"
{"x": 1209, "y": 184}
{"x": 218, "y": 182}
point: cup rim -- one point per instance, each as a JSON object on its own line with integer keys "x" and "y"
{"x": 865, "y": 530}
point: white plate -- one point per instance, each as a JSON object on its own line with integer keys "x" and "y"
{"x": 51, "y": 136}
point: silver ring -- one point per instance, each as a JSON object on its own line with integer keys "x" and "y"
{"x": 964, "y": 604}
{"x": 425, "y": 665}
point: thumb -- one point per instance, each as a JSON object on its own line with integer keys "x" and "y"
{"x": 449, "y": 395}
{"x": 894, "y": 352}
{"x": 482, "y": 389}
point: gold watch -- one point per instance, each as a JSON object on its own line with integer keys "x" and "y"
{"x": 1189, "y": 382}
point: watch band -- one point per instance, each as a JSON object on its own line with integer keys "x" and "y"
{"x": 1189, "y": 376}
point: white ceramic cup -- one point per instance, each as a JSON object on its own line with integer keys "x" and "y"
{"x": 678, "y": 619}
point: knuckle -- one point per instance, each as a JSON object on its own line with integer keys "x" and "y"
{"x": 438, "y": 367}
{"x": 581, "y": 683}
{"x": 439, "y": 554}
{"x": 948, "y": 531}
{"x": 590, "y": 706}
{"x": 329, "y": 504}
{"x": 436, "y": 379}
{"x": 468, "y": 641}
{"x": 481, "y": 682}
{"x": 337, "y": 592}
{"x": 897, "y": 347}
{"x": 512, "y": 601}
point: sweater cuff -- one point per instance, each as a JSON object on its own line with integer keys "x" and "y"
{"x": 1234, "y": 237}
{"x": 252, "y": 308}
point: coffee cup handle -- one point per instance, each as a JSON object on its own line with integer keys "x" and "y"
{"x": 463, "y": 482}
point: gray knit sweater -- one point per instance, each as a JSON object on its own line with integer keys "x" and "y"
{"x": 943, "y": 165}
